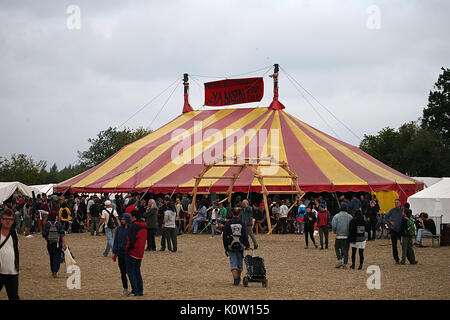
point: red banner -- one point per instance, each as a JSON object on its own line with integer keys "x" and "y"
{"x": 233, "y": 91}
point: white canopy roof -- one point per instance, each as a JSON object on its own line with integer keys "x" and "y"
{"x": 44, "y": 188}
{"x": 8, "y": 188}
{"x": 434, "y": 200}
{"x": 428, "y": 181}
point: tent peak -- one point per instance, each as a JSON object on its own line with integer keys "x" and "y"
{"x": 276, "y": 104}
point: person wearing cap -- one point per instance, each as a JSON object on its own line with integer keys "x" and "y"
{"x": 54, "y": 248}
{"x": 120, "y": 243}
{"x": 110, "y": 225}
{"x": 322, "y": 224}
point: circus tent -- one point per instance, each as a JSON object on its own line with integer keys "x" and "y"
{"x": 167, "y": 159}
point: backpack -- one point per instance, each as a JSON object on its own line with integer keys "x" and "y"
{"x": 53, "y": 234}
{"x": 410, "y": 228}
{"x": 236, "y": 244}
{"x": 112, "y": 223}
{"x": 64, "y": 214}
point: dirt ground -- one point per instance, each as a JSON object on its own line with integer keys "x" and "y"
{"x": 200, "y": 271}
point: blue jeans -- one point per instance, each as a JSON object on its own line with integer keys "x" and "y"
{"x": 423, "y": 233}
{"x": 133, "y": 267}
{"x": 196, "y": 221}
{"x": 236, "y": 260}
{"x": 109, "y": 240}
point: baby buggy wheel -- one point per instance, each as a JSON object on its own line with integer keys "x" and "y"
{"x": 245, "y": 281}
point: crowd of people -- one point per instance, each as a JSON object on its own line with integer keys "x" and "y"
{"x": 131, "y": 224}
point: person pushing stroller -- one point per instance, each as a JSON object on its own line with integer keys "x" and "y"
{"x": 235, "y": 240}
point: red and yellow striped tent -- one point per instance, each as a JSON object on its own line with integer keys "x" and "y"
{"x": 321, "y": 162}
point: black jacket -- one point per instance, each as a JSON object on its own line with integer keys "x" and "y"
{"x": 15, "y": 245}
{"x": 309, "y": 224}
{"x": 372, "y": 213}
{"x": 151, "y": 218}
{"x": 357, "y": 229}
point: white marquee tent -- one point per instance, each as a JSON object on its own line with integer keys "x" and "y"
{"x": 8, "y": 188}
{"x": 44, "y": 188}
{"x": 434, "y": 200}
{"x": 428, "y": 181}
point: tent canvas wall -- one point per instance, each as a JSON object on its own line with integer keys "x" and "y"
{"x": 428, "y": 181}
{"x": 434, "y": 200}
{"x": 8, "y": 188}
{"x": 44, "y": 188}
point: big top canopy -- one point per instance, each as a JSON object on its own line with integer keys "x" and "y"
{"x": 168, "y": 159}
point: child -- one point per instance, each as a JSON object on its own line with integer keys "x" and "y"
{"x": 408, "y": 232}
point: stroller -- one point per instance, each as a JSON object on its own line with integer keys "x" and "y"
{"x": 256, "y": 271}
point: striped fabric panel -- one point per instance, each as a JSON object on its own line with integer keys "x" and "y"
{"x": 357, "y": 155}
{"x": 319, "y": 160}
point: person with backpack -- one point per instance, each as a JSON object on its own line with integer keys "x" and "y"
{"x": 53, "y": 232}
{"x": 65, "y": 216}
{"x": 235, "y": 240}
{"x": 408, "y": 232}
{"x": 136, "y": 238}
{"x": 357, "y": 237}
{"x": 111, "y": 220}
{"x": 120, "y": 243}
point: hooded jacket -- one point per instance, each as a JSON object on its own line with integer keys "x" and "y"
{"x": 136, "y": 239}
{"x": 120, "y": 239}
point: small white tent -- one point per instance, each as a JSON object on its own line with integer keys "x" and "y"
{"x": 44, "y": 188}
{"x": 428, "y": 181}
{"x": 434, "y": 200}
{"x": 8, "y": 188}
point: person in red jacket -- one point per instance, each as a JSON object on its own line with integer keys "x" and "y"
{"x": 136, "y": 239}
{"x": 322, "y": 223}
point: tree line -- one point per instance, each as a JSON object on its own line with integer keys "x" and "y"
{"x": 23, "y": 168}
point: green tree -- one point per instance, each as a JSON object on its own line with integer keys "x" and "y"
{"x": 107, "y": 143}
{"x": 22, "y": 168}
{"x": 52, "y": 175}
{"x": 70, "y": 171}
{"x": 412, "y": 149}
{"x": 436, "y": 116}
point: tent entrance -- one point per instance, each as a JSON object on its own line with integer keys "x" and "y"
{"x": 254, "y": 165}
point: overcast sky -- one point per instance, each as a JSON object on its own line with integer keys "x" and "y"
{"x": 371, "y": 63}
